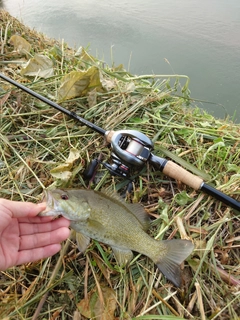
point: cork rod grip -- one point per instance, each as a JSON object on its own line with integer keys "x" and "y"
{"x": 174, "y": 171}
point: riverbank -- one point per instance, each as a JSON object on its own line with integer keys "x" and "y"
{"x": 41, "y": 148}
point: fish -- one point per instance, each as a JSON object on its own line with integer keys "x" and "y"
{"x": 108, "y": 218}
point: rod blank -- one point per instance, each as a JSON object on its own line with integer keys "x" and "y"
{"x": 54, "y": 105}
{"x": 220, "y": 196}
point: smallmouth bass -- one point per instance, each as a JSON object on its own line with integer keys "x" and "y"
{"x": 107, "y": 218}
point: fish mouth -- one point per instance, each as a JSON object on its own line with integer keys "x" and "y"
{"x": 44, "y": 196}
{"x": 51, "y": 204}
{"x": 48, "y": 198}
{"x": 53, "y": 208}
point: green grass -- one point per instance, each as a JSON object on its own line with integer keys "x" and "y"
{"x": 35, "y": 144}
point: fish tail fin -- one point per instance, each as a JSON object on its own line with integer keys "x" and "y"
{"x": 176, "y": 252}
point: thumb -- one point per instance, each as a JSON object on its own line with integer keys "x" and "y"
{"x": 18, "y": 209}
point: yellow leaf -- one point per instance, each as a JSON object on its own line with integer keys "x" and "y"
{"x": 78, "y": 83}
{"x": 20, "y": 44}
{"x": 63, "y": 171}
{"x": 40, "y": 66}
{"x": 61, "y": 175}
{"x": 73, "y": 155}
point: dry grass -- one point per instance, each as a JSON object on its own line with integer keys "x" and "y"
{"x": 35, "y": 138}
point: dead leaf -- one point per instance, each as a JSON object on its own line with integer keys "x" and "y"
{"x": 107, "y": 84}
{"x": 78, "y": 83}
{"x": 20, "y": 44}
{"x": 4, "y": 99}
{"x": 105, "y": 271}
{"x": 40, "y": 66}
{"x": 73, "y": 155}
{"x": 60, "y": 174}
{"x": 92, "y": 307}
{"x": 63, "y": 171}
{"x": 92, "y": 98}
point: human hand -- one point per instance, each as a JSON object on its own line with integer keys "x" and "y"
{"x": 24, "y": 237}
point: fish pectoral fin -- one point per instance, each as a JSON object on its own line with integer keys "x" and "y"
{"x": 96, "y": 226}
{"x": 82, "y": 241}
{"x": 176, "y": 252}
{"x": 123, "y": 256}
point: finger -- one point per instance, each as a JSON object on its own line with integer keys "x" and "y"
{"x": 43, "y": 239}
{"x": 18, "y": 209}
{"x": 41, "y": 224}
{"x": 37, "y": 219}
{"x": 32, "y": 255}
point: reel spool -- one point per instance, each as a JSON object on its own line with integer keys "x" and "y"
{"x": 131, "y": 146}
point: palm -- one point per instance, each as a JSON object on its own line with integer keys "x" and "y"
{"x": 25, "y": 238}
{"x": 10, "y": 243}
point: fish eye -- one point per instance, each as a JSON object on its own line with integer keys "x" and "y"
{"x": 64, "y": 197}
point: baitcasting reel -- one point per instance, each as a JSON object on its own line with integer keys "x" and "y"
{"x": 130, "y": 148}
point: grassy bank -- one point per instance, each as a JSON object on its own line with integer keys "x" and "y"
{"x": 41, "y": 148}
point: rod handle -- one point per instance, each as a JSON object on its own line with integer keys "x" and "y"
{"x": 176, "y": 172}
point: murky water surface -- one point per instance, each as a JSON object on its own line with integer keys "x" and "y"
{"x": 197, "y": 38}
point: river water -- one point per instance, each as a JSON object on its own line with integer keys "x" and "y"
{"x": 199, "y": 38}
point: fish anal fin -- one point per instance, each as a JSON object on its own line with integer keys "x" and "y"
{"x": 123, "y": 256}
{"x": 82, "y": 241}
{"x": 176, "y": 252}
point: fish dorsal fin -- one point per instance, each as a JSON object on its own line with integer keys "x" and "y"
{"x": 136, "y": 209}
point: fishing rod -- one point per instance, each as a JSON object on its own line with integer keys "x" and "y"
{"x": 131, "y": 148}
